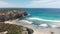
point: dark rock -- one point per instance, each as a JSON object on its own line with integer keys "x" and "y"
{"x": 30, "y": 31}
{"x": 25, "y": 14}
{"x": 11, "y": 14}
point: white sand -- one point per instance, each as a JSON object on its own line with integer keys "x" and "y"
{"x": 38, "y": 32}
{"x": 11, "y": 22}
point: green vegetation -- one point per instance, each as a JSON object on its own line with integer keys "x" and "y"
{"x": 14, "y": 29}
{"x": 6, "y": 15}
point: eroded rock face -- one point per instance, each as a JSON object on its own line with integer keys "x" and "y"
{"x": 11, "y": 14}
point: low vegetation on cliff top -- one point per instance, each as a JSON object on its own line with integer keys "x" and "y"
{"x": 6, "y": 15}
{"x": 14, "y": 29}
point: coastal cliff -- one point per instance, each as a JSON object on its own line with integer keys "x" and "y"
{"x": 6, "y": 15}
{"x": 7, "y": 28}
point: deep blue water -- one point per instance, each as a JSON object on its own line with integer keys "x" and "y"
{"x": 40, "y": 13}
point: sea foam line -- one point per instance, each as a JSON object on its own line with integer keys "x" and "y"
{"x": 44, "y": 20}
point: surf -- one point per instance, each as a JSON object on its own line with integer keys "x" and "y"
{"x": 40, "y": 19}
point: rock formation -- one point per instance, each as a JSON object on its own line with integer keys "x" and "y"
{"x": 11, "y": 14}
{"x": 6, "y": 15}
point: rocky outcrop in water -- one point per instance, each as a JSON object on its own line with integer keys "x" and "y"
{"x": 6, "y": 15}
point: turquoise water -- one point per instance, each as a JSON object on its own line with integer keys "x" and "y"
{"x": 45, "y": 13}
{"x": 41, "y": 15}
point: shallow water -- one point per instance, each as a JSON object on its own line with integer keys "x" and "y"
{"x": 39, "y": 16}
{"x": 50, "y": 16}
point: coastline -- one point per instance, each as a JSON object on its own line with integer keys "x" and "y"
{"x": 40, "y": 30}
{"x": 35, "y": 28}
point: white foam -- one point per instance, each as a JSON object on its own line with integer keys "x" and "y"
{"x": 28, "y": 14}
{"x": 26, "y": 21}
{"x": 43, "y": 25}
{"x": 44, "y": 20}
{"x": 55, "y": 26}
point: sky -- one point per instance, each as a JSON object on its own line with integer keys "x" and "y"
{"x": 29, "y": 3}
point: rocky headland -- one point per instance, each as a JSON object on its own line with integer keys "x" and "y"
{"x": 6, "y": 15}
{"x": 10, "y": 15}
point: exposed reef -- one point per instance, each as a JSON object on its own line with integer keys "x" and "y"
{"x": 6, "y": 15}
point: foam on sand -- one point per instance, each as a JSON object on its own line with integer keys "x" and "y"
{"x": 43, "y": 25}
{"x": 55, "y": 26}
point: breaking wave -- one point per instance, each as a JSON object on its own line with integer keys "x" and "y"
{"x": 55, "y": 22}
{"x": 40, "y": 19}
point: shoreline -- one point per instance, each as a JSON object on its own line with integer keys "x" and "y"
{"x": 40, "y": 30}
{"x": 37, "y": 30}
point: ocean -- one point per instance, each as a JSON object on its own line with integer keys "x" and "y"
{"x": 40, "y": 20}
{"x": 49, "y": 16}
